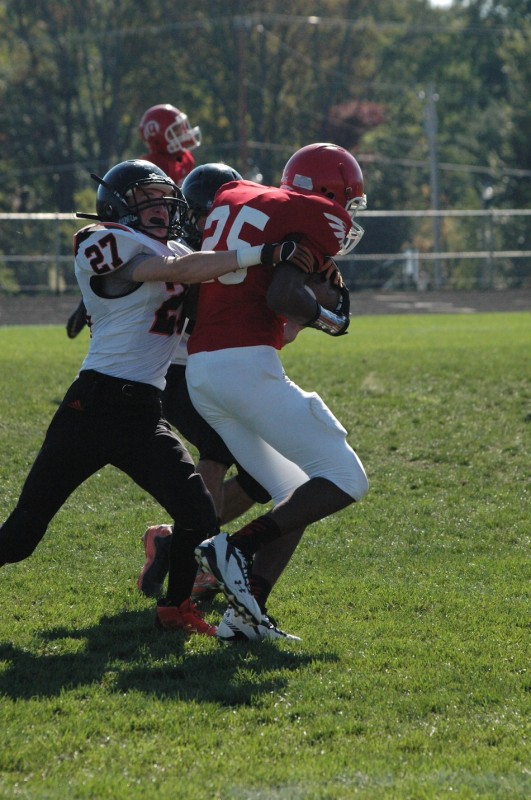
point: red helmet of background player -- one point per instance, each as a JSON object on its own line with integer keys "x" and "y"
{"x": 329, "y": 171}
{"x": 167, "y": 130}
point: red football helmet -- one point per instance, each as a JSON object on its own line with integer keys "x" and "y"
{"x": 331, "y": 171}
{"x": 165, "y": 129}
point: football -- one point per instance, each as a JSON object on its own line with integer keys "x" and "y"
{"x": 325, "y": 292}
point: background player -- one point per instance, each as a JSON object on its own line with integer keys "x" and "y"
{"x": 170, "y": 139}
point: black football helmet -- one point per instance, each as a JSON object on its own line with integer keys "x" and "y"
{"x": 199, "y": 188}
{"x": 121, "y": 197}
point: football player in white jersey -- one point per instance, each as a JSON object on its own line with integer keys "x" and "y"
{"x": 131, "y": 273}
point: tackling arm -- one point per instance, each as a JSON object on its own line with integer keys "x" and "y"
{"x": 208, "y": 264}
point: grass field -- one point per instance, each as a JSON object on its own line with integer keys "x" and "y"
{"x": 412, "y": 677}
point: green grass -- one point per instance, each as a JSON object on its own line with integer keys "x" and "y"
{"x": 412, "y": 679}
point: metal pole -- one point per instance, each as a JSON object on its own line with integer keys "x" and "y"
{"x": 486, "y": 275}
{"x": 242, "y": 24}
{"x": 431, "y": 132}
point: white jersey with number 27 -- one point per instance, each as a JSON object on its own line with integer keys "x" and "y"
{"x": 133, "y": 336}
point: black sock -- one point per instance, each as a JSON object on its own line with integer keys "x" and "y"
{"x": 183, "y": 566}
{"x": 258, "y": 532}
{"x": 260, "y": 589}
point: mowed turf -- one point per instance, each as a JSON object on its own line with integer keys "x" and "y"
{"x": 412, "y": 677}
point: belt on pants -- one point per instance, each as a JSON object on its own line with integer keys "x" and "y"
{"x": 119, "y": 389}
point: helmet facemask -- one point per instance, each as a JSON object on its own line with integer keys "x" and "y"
{"x": 355, "y": 233}
{"x": 180, "y": 136}
{"x": 138, "y": 202}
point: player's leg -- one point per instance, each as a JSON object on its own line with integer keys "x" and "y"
{"x": 269, "y": 563}
{"x": 158, "y": 462}
{"x": 295, "y": 423}
{"x": 214, "y": 457}
{"x": 229, "y": 496}
{"x": 213, "y": 474}
{"x": 179, "y": 411}
{"x": 301, "y": 428}
{"x": 240, "y": 493}
{"x": 273, "y": 471}
{"x": 72, "y": 450}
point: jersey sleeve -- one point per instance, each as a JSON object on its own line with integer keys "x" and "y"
{"x": 322, "y": 223}
{"x": 105, "y": 248}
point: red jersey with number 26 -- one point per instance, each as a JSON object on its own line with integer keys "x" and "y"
{"x": 232, "y": 310}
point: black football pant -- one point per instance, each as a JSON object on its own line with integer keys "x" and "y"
{"x": 101, "y": 421}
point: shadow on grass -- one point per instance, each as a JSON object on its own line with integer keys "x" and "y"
{"x": 126, "y": 653}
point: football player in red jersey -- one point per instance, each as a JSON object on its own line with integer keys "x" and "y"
{"x": 236, "y": 494}
{"x": 131, "y": 271}
{"x": 169, "y": 137}
{"x": 285, "y": 437}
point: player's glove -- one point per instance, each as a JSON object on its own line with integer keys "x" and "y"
{"x": 343, "y": 307}
{"x": 336, "y": 322}
{"x": 291, "y": 252}
{"x": 331, "y": 272}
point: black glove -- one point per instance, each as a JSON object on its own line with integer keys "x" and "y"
{"x": 290, "y": 251}
{"x": 343, "y": 306}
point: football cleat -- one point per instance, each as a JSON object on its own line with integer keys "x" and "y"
{"x": 184, "y": 617}
{"x": 233, "y": 628}
{"x": 205, "y": 586}
{"x": 228, "y": 566}
{"x": 157, "y": 542}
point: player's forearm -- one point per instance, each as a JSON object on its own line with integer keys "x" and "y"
{"x": 189, "y": 269}
{"x": 287, "y": 295}
{"x": 207, "y": 264}
{"x": 299, "y": 310}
